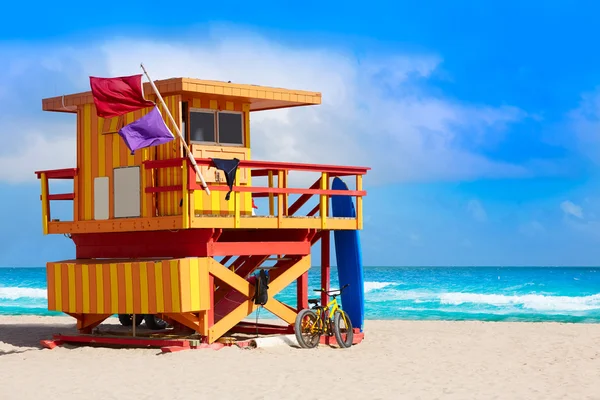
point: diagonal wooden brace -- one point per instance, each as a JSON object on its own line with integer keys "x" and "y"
{"x": 244, "y": 287}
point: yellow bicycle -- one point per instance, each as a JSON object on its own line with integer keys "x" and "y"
{"x": 328, "y": 320}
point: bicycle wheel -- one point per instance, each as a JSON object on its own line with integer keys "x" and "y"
{"x": 307, "y": 329}
{"x": 342, "y": 329}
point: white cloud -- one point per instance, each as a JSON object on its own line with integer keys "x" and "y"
{"x": 374, "y": 112}
{"x": 476, "y": 210}
{"x": 571, "y": 208}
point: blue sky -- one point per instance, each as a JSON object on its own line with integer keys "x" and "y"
{"x": 481, "y": 122}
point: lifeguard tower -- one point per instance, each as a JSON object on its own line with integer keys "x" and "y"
{"x": 150, "y": 242}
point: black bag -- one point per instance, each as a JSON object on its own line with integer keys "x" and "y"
{"x": 261, "y": 295}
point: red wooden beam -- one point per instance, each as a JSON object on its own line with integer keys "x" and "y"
{"x": 67, "y": 173}
{"x": 262, "y": 330}
{"x": 266, "y": 165}
{"x": 62, "y": 196}
{"x": 181, "y": 243}
{"x": 257, "y": 248}
{"x": 123, "y": 341}
{"x": 265, "y": 235}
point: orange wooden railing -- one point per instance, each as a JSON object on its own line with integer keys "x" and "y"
{"x": 46, "y": 197}
{"x": 282, "y": 191}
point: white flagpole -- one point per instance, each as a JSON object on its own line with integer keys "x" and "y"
{"x": 187, "y": 149}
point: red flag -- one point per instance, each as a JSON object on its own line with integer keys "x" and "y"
{"x": 118, "y": 96}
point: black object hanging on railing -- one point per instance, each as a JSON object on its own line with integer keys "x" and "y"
{"x": 230, "y": 169}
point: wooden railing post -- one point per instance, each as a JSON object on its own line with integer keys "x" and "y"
{"x": 236, "y": 202}
{"x": 359, "y": 204}
{"x": 271, "y": 197}
{"x": 280, "y": 184}
{"x": 323, "y": 201}
{"x": 45, "y": 203}
{"x": 186, "y": 195}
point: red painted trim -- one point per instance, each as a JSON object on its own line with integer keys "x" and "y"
{"x": 330, "y": 340}
{"x": 68, "y": 173}
{"x": 258, "y": 189}
{"x": 273, "y": 330}
{"x": 265, "y": 165}
{"x": 181, "y": 243}
{"x": 62, "y": 196}
{"x": 257, "y": 248}
{"x": 124, "y": 341}
{"x": 265, "y": 235}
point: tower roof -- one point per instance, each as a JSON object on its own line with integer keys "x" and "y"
{"x": 259, "y": 97}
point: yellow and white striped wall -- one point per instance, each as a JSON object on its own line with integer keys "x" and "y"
{"x": 169, "y": 286}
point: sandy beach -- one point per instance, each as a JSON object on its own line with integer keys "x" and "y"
{"x": 398, "y": 359}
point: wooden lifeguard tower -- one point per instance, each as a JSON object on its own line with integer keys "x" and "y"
{"x": 150, "y": 241}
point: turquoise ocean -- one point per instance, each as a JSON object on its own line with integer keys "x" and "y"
{"x": 564, "y": 294}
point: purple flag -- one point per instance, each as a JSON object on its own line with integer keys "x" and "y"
{"x": 150, "y": 130}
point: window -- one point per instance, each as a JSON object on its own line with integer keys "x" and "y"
{"x": 217, "y": 127}
{"x": 230, "y": 128}
{"x": 202, "y": 126}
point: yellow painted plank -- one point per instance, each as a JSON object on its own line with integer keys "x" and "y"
{"x": 290, "y": 275}
{"x": 185, "y": 212}
{"x": 58, "y": 286}
{"x": 280, "y": 310}
{"x": 203, "y": 282}
{"x": 175, "y": 296}
{"x": 194, "y": 285}
{"x": 72, "y": 289}
{"x": 144, "y": 286}
{"x": 87, "y": 161}
{"x": 85, "y": 280}
{"x": 99, "y": 289}
{"x": 114, "y": 289}
{"x": 45, "y": 209}
{"x": 238, "y": 283}
{"x": 359, "y": 204}
{"x": 101, "y": 148}
{"x": 323, "y": 201}
{"x": 128, "y": 288}
{"x": 160, "y": 303}
{"x": 230, "y": 320}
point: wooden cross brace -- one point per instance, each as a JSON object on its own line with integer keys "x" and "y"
{"x": 281, "y": 279}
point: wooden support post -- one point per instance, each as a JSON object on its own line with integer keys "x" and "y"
{"x": 271, "y": 197}
{"x": 302, "y": 291}
{"x": 186, "y": 196}
{"x": 211, "y": 310}
{"x": 324, "y": 199}
{"x": 45, "y": 203}
{"x": 237, "y": 203}
{"x": 325, "y": 264}
{"x": 285, "y": 196}
{"x": 279, "y": 199}
{"x": 359, "y": 204}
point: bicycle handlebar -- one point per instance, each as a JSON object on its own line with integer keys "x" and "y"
{"x": 330, "y": 291}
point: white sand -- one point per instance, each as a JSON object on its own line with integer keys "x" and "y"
{"x": 398, "y": 360}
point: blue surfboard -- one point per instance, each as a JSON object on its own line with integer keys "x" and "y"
{"x": 349, "y": 258}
